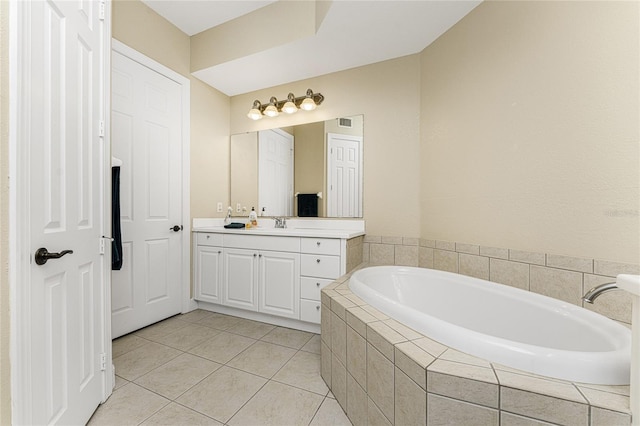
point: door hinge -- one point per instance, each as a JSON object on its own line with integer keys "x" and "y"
{"x": 103, "y": 361}
{"x": 101, "y": 129}
{"x": 101, "y": 10}
{"x": 103, "y": 244}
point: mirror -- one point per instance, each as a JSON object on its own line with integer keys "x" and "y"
{"x": 307, "y": 170}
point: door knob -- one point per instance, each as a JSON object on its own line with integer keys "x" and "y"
{"x": 42, "y": 255}
{"x": 177, "y": 228}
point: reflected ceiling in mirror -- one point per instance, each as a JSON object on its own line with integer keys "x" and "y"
{"x": 306, "y": 170}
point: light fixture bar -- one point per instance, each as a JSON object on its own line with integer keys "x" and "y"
{"x": 290, "y": 105}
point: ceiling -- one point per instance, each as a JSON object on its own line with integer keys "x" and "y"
{"x": 352, "y": 34}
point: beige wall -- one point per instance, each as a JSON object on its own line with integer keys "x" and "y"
{"x": 357, "y": 123}
{"x": 388, "y": 94}
{"x": 209, "y": 150}
{"x": 142, "y": 29}
{"x": 5, "y": 371}
{"x": 309, "y": 162}
{"x": 162, "y": 41}
{"x": 529, "y": 129}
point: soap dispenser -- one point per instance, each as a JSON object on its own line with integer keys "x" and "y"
{"x": 227, "y": 219}
{"x": 253, "y": 217}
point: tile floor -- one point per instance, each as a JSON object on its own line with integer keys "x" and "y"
{"x": 204, "y": 368}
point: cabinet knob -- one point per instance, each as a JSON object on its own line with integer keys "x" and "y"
{"x": 318, "y": 243}
{"x": 317, "y": 284}
{"x": 254, "y": 255}
{"x": 219, "y": 251}
{"x": 317, "y": 260}
{"x": 259, "y": 255}
{"x": 317, "y": 307}
{"x": 208, "y": 236}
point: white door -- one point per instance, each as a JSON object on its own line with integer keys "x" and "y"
{"x": 344, "y": 182}
{"x": 147, "y": 136}
{"x": 279, "y": 283}
{"x": 275, "y": 172}
{"x": 61, "y": 104}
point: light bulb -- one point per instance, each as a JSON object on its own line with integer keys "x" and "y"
{"x": 254, "y": 114}
{"x": 289, "y": 107}
{"x": 308, "y": 104}
{"x": 271, "y": 111}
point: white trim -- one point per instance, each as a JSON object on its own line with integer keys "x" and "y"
{"x": 19, "y": 270}
{"x": 108, "y": 378}
{"x": 188, "y": 304}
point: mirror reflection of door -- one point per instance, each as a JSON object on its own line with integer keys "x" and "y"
{"x": 310, "y": 172}
{"x": 344, "y": 175}
{"x": 275, "y": 170}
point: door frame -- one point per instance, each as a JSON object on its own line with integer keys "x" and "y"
{"x": 187, "y": 302}
{"x": 330, "y": 145}
{"x": 19, "y": 206}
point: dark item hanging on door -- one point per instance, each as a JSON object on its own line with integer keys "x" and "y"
{"x": 116, "y": 243}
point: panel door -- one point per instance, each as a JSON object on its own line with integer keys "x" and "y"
{"x": 344, "y": 183}
{"x": 275, "y": 172}
{"x": 147, "y": 135}
{"x": 279, "y": 283}
{"x": 60, "y": 107}
{"x": 240, "y": 274}
{"x": 208, "y": 277}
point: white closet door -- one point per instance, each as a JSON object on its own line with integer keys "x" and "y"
{"x": 146, "y": 136}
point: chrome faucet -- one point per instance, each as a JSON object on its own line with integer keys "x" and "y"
{"x": 281, "y": 222}
{"x": 592, "y": 294}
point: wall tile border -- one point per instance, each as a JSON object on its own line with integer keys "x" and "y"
{"x": 508, "y": 266}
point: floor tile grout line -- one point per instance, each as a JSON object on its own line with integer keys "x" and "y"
{"x": 297, "y": 349}
{"x": 317, "y": 410}
{"x": 248, "y": 400}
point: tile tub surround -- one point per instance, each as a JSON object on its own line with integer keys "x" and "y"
{"x": 562, "y": 277}
{"x": 381, "y": 371}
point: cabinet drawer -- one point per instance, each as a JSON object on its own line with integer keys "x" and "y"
{"x": 310, "y": 287}
{"x": 320, "y": 246}
{"x": 320, "y": 266}
{"x": 209, "y": 239}
{"x": 310, "y": 311}
{"x": 262, "y": 242}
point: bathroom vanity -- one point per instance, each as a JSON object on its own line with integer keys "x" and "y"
{"x": 271, "y": 274}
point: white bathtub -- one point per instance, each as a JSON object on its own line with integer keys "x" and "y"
{"x": 506, "y": 325}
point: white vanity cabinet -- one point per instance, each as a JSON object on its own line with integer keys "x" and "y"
{"x": 263, "y": 281}
{"x": 208, "y": 271}
{"x": 320, "y": 265}
{"x": 239, "y": 286}
{"x": 279, "y": 283}
{"x": 273, "y": 276}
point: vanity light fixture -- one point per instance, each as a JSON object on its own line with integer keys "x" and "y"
{"x": 255, "y": 113}
{"x": 308, "y": 102}
{"x": 290, "y": 106}
{"x": 272, "y": 110}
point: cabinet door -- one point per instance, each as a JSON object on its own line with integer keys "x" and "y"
{"x": 240, "y": 275}
{"x": 208, "y": 274}
{"x": 279, "y": 284}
